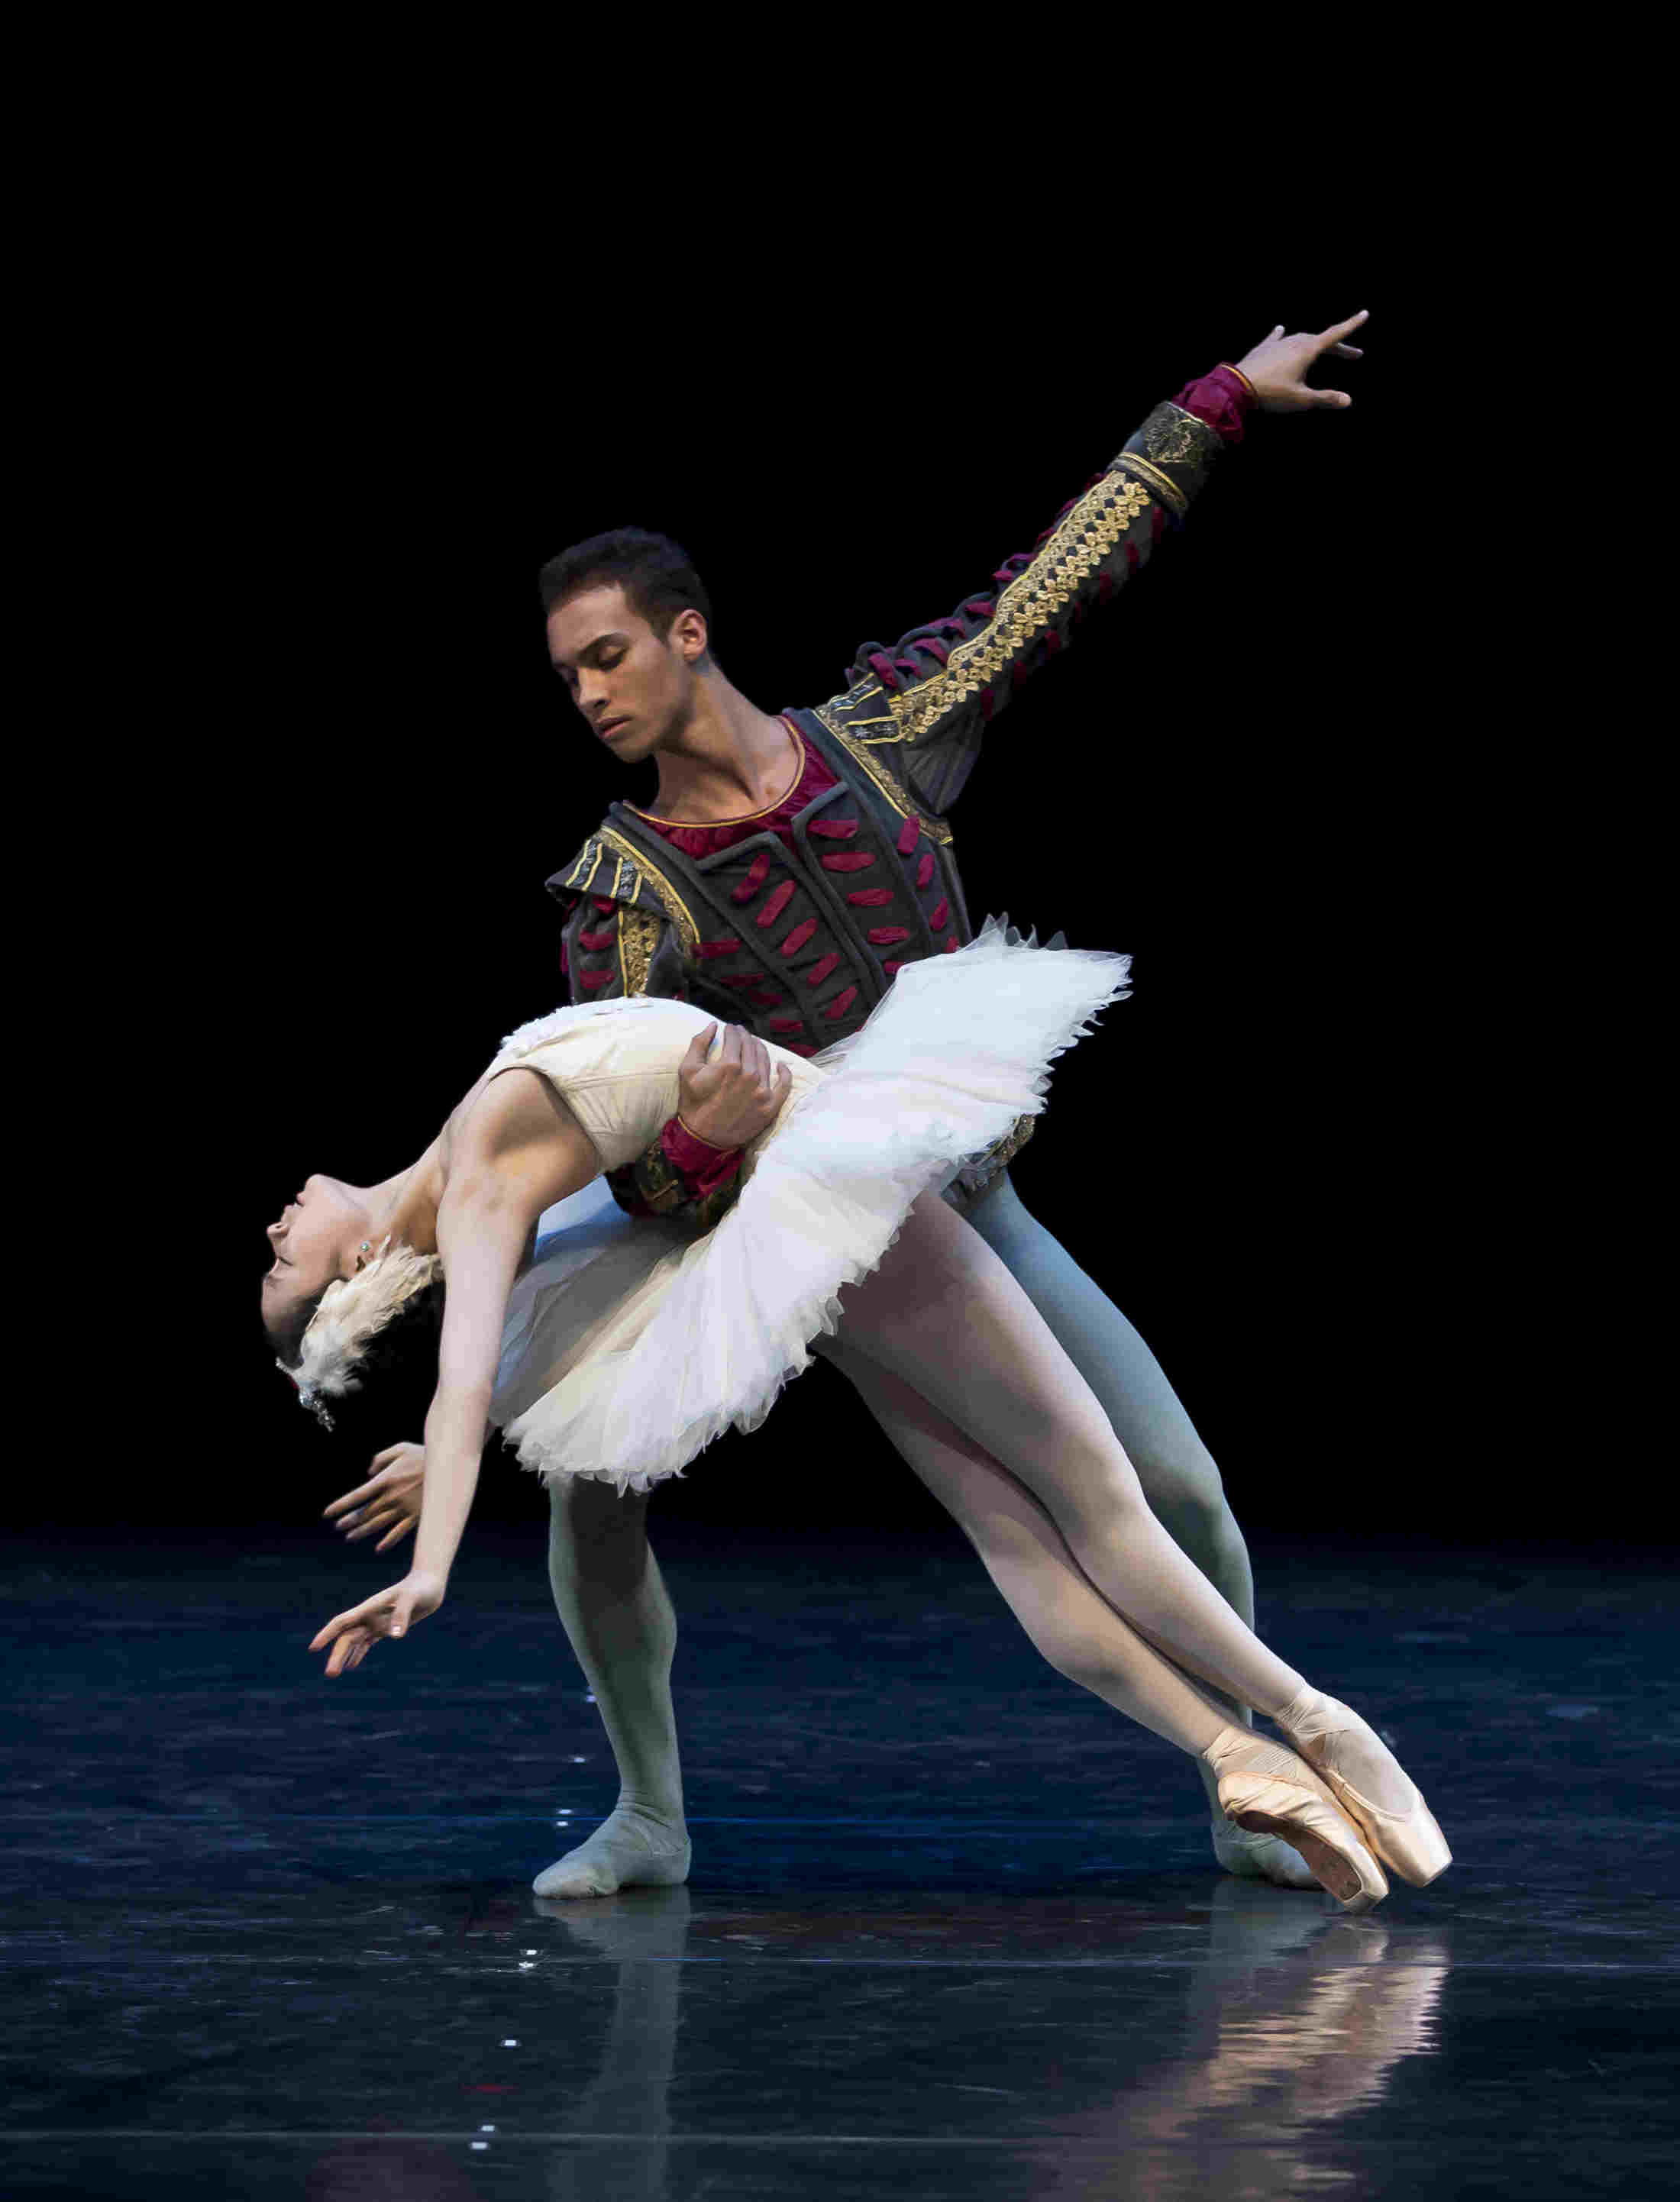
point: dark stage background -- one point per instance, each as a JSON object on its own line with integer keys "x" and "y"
{"x": 1246, "y": 771}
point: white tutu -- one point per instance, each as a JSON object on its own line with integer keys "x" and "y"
{"x": 630, "y": 1346}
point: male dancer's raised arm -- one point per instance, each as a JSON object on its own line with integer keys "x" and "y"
{"x": 916, "y": 713}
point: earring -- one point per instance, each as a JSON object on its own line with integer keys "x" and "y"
{"x": 366, "y": 1244}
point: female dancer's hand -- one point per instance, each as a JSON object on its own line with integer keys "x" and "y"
{"x": 353, "y": 1634}
{"x": 733, "y": 1097}
{"x": 1277, "y": 366}
{"x": 389, "y": 1500}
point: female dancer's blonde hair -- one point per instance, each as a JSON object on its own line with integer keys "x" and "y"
{"x": 350, "y": 1312}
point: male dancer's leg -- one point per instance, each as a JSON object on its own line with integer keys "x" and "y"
{"x": 612, "y": 1599}
{"x": 1178, "y": 1475}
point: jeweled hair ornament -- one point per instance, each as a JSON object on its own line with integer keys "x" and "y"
{"x": 352, "y": 1310}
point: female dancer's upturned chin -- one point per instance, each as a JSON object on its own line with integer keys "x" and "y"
{"x": 839, "y": 1223}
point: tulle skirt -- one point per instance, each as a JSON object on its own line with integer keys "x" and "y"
{"x": 630, "y": 1345}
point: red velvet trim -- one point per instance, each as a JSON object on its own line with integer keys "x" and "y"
{"x": 835, "y": 829}
{"x": 706, "y": 840}
{"x": 798, "y": 937}
{"x": 592, "y": 981}
{"x": 767, "y": 999}
{"x": 952, "y": 945}
{"x": 1223, "y": 399}
{"x": 787, "y": 1024}
{"x": 595, "y": 942}
{"x": 604, "y": 903}
{"x": 840, "y": 1004}
{"x": 941, "y": 911}
{"x": 708, "y": 950}
{"x": 898, "y": 966}
{"x": 888, "y": 936}
{"x": 820, "y": 969}
{"x": 924, "y": 870}
{"x": 909, "y": 834}
{"x": 777, "y": 903}
{"x": 871, "y": 897}
{"x": 855, "y": 860}
{"x": 800, "y": 1047}
{"x": 565, "y": 965}
{"x": 701, "y": 1166}
{"x": 755, "y": 878}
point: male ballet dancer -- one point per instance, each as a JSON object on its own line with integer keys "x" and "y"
{"x": 792, "y": 864}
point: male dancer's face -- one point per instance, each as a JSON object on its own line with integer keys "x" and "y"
{"x": 635, "y": 691}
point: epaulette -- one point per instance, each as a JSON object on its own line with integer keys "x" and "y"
{"x": 610, "y": 870}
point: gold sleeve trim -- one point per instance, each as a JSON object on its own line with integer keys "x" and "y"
{"x": 1029, "y": 605}
{"x": 1176, "y": 438}
{"x": 675, "y": 908}
{"x": 1162, "y": 484}
{"x": 934, "y": 828}
{"x": 638, "y": 938}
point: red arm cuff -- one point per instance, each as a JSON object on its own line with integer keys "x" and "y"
{"x": 1223, "y": 399}
{"x": 702, "y": 1167}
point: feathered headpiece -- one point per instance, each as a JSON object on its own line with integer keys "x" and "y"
{"x": 351, "y": 1311}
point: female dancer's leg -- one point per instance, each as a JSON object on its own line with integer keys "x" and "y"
{"x": 943, "y": 1315}
{"x": 1027, "y": 1557}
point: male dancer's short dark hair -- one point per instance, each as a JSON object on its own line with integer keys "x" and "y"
{"x": 656, "y": 574}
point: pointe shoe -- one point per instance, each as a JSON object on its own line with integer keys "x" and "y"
{"x": 1248, "y": 1856}
{"x": 1334, "y": 1740}
{"x": 1272, "y": 1791}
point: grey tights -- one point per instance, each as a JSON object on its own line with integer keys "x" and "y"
{"x": 1001, "y": 1303}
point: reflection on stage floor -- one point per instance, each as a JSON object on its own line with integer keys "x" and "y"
{"x": 953, "y": 1928}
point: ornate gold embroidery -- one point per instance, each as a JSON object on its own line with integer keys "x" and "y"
{"x": 934, "y": 828}
{"x": 1029, "y": 605}
{"x": 873, "y": 719}
{"x": 638, "y": 937}
{"x": 675, "y": 908}
{"x": 981, "y": 1171}
{"x": 1162, "y": 484}
{"x": 1174, "y": 437}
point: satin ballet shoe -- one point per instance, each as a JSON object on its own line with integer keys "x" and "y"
{"x": 1344, "y": 1749}
{"x": 1272, "y": 1791}
{"x": 1260, "y": 1858}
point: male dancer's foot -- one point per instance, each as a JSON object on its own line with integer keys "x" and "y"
{"x": 633, "y": 1847}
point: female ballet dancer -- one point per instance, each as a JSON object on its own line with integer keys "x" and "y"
{"x": 642, "y": 1346}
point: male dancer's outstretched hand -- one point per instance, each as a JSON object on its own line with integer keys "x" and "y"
{"x": 1277, "y": 366}
{"x": 389, "y": 1500}
{"x": 734, "y": 1096}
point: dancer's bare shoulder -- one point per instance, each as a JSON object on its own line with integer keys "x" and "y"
{"x": 514, "y": 1134}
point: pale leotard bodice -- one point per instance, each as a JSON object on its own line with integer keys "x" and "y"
{"x": 615, "y": 1064}
{"x": 631, "y": 1342}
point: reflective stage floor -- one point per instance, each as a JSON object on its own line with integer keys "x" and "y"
{"x": 953, "y": 1928}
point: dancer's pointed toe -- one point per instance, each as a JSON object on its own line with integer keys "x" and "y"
{"x": 1269, "y": 1791}
{"x": 1370, "y": 1785}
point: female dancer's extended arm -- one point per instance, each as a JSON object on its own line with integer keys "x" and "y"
{"x": 518, "y": 1152}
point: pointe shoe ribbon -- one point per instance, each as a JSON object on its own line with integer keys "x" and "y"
{"x": 1333, "y": 1738}
{"x": 1270, "y": 1791}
